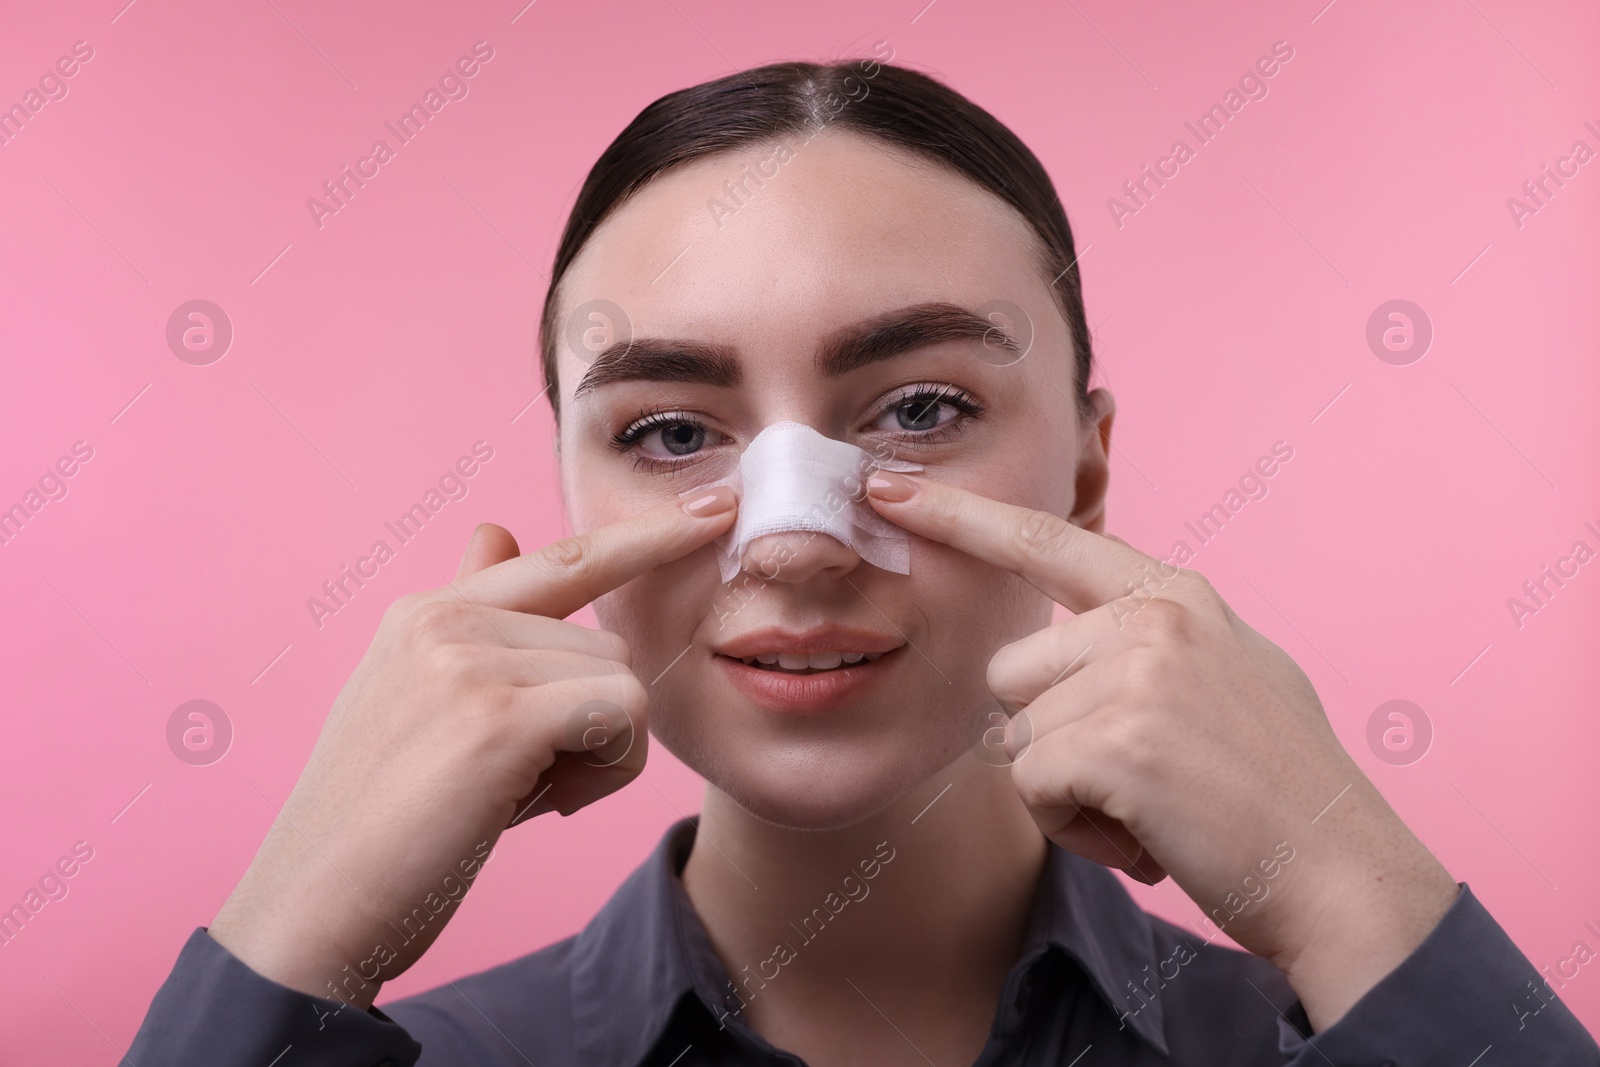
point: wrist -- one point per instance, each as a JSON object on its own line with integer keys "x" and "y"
{"x": 1363, "y": 922}
{"x": 293, "y": 926}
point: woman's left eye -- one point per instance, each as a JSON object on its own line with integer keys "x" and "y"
{"x": 927, "y": 409}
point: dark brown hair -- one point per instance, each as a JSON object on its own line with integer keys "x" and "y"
{"x": 900, "y": 107}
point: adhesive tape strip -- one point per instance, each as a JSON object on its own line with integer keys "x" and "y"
{"x": 792, "y": 478}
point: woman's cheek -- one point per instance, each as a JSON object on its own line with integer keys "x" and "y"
{"x": 603, "y": 508}
{"x": 663, "y": 607}
{"x": 977, "y": 604}
{"x": 597, "y": 493}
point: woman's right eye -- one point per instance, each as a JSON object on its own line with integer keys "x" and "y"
{"x": 676, "y": 439}
{"x": 661, "y": 440}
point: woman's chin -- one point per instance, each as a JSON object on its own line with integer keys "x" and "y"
{"x": 808, "y": 791}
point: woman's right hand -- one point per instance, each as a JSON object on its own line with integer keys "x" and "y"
{"x": 475, "y": 707}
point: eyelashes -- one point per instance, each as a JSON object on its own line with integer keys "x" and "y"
{"x": 651, "y": 422}
{"x": 928, "y": 396}
{"x": 686, "y": 431}
{"x": 648, "y": 421}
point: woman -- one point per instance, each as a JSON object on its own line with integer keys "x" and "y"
{"x": 916, "y": 783}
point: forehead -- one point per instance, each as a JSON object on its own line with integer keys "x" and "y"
{"x": 757, "y": 243}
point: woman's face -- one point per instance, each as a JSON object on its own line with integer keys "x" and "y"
{"x": 840, "y": 230}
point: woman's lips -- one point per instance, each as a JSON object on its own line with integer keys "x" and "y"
{"x": 817, "y": 691}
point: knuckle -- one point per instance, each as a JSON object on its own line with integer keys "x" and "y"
{"x": 485, "y": 712}
{"x": 575, "y": 553}
{"x": 1001, "y": 675}
{"x": 1142, "y": 672}
{"x": 1122, "y": 742}
{"x": 1036, "y": 785}
{"x": 601, "y": 667}
{"x": 614, "y": 647}
{"x": 630, "y": 693}
{"x": 431, "y": 621}
{"x": 1165, "y": 617}
{"x": 401, "y": 608}
{"x": 452, "y": 659}
{"x": 1199, "y": 585}
{"x": 1009, "y": 697}
{"x": 1041, "y": 532}
{"x": 1202, "y": 597}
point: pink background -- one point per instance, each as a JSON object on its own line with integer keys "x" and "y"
{"x": 369, "y": 354}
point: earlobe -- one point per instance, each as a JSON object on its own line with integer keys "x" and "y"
{"x": 1093, "y": 478}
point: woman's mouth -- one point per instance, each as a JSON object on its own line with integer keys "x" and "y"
{"x": 807, "y": 663}
{"x": 825, "y": 668}
{"x": 807, "y": 683}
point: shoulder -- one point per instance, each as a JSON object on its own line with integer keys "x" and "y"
{"x": 513, "y": 1013}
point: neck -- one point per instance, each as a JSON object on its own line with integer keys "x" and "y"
{"x": 928, "y": 915}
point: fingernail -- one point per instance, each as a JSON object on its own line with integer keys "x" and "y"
{"x": 712, "y": 502}
{"x": 886, "y": 485}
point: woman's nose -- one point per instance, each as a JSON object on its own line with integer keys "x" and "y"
{"x": 798, "y": 555}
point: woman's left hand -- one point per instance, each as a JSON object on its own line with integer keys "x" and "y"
{"x": 1156, "y": 732}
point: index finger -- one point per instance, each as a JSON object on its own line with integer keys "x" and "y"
{"x": 565, "y": 575}
{"x": 1077, "y": 568}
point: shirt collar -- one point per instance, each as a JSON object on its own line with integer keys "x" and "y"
{"x": 1085, "y": 911}
{"x": 630, "y": 965}
{"x": 647, "y": 949}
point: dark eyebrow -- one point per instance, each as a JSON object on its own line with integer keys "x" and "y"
{"x": 655, "y": 359}
{"x": 860, "y": 344}
{"x": 904, "y": 330}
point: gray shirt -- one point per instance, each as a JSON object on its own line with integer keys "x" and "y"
{"x": 1099, "y": 982}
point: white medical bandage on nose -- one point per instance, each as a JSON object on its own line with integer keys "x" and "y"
{"x": 792, "y": 478}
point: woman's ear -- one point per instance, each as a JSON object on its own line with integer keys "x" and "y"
{"x": 1093, "y": 477}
